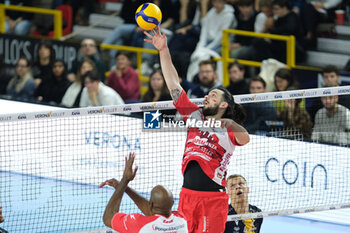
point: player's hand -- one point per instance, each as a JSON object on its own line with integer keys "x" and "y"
{"x": 112, "y": 182}
{"x": 158, "y": 40}
{"x": 92, "y": 93}
{"x": 234, "y": 46}
{"x": 71, "y": 77}
{"x": 290, "y": 105}
{"x": 1, "y": 217}
{"x": 129, "y": 173}
{"x": 182, "y": 31}
{"x": 318, "y": 5}
{"x": 269, "y": 23}
{"x": 118, "y": 72}
{"x": 226, "y": 123}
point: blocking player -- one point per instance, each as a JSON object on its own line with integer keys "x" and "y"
{"x": 159, "y": 217}
{"x": 238, "y": 191}
{"x": 2, "y": 220}
{"x": 203, "y": 198}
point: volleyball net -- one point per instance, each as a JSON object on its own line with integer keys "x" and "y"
{"x": 51, "y": 163}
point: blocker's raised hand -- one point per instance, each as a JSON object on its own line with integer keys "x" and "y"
{"x": 129, "y": 173}
{"x": 158, "y": 40}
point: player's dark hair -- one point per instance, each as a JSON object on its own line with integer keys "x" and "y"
{"x": 245, "y": 3}
{"x": 287, "y": 75}
{"x": 125, "y": 53}
{"x": 149, "y": 95}
{"x": 46, "y": 44}
{"x": 330, "y": 69}
{"x": 282, "y": 3}
{"x": 208, "y": 62}
{"x": 236, "y": 63}
{"x": 257, "y": 79}
{"x": 28, "y": 61}
{"x": 65, "y": 71}
{"x": 267, "y": 3}
{"x": 234, "y": 111}
{"x": 93, "y": 75}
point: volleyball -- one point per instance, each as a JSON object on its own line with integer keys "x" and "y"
{"x": 148, "y": 16}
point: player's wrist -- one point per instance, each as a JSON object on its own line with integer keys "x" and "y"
{"x": 124, "y": 182}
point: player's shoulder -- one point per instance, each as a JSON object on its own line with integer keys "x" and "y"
{"x": 3, "y": 230}
{"x": 179, "y": 214}
{"x": 253, "y": 208}
{"x": 134, "y": 216}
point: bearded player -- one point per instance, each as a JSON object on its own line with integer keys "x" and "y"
{"x": 203, "y": 197}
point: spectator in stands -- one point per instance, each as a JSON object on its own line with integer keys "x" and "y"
{"x": 89, "y": 50}
{"x": 207, "y": 80}
{"x": 264, "y": 20}
{"x": 260, "y": 112}
{"x": 22, "y": 85}
{"x": 17, "y": 22}
{"x": 1, "y": 221}
{"x": 238, "y": 191}
{"x": 95, "y": 93}
{"x": 287, "y": 23}
{"x": 130, "y": 34}
{"x": 52, "y": 90}
{"x": 187, "y": 32}
{"x": 5, "y": 76}
{"x": 331, "y": 77}
{"x": 296, "y": 120}
{"x": 42, "y": 68}
{"x": 314, "y": 12}
{"x": 241, "y": 47}
{"x": 124, "y": 79}
{"x": 332, "y": 122}
{"x": 285, "y": 81}
{"x": 170, "y": 17}
{"x": 238, "y": 85}
{"x": 89, "y": 7}
{"x": 73, "y": 94}
{"x": 157, "y": 217}
{"x": 122, "y": 34}
{"x": 219, "y": 17}
{"x": 157, "y": 89}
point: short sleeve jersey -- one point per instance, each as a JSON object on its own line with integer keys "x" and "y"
{"x": 211, "y": 148}
{"x": 138, "y": 223}
{"x": 242, "y": 226}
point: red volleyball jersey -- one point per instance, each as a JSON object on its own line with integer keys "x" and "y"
{"x": 212, "y": 148}
{"x": 138, "y": 223}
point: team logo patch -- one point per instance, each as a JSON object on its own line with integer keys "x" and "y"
{"x": 152, "y": 120}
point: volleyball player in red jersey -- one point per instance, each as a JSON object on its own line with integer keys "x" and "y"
{"x": 158, "y": 215}
{"x": 203, "y": 198}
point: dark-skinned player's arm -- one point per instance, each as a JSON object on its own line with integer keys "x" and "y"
{"x": 141, "y": 202}
{"x": 113, "y": 205}
{"x": 159, "y": 41}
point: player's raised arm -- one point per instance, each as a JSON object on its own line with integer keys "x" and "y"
{"x": 171, "y": 77}
{"x": 114, "y": 203}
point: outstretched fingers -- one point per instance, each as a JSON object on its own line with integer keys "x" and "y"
{"x": 112, "y": 182}
{"x": 134, "y": 172}
{"x": 149, "y": 36}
